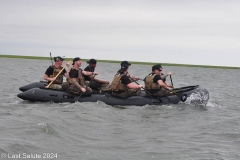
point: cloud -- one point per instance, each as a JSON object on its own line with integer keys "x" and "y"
{"x": 125, "y": 28}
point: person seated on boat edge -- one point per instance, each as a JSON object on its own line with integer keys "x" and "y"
{"x": 121, "y": 85}
{"x": 154, "y": 83}
{"x": 95, "y": 84}
{"x": 164, "y": 76}
{"x": 76, "y": 79}
{"x": 53, "y": 70}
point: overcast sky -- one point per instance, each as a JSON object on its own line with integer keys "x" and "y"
{"x": 205, "y": 32}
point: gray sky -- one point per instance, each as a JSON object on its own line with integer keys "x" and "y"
{"x": 205, "y": 32}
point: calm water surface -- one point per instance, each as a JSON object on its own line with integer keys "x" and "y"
{"x": 98, "y": 131}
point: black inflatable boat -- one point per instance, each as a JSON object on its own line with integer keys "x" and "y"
{"x": 36, "y": 92}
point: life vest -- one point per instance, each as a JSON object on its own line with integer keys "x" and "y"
{"x": 80, "y": 79}
{"x": 59, "y": 79}
{"x": 149, "y": 84}
{"x": 116, "y": 84}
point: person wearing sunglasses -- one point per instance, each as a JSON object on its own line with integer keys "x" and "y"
{"x": 164, "y": 76}
{"x": 154, "y": 83}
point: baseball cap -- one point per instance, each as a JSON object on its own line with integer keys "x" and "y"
{"x": 92, "y": 61}
{"x": 160, "y": 66}
{"x": 125, "y": 62}
{"x": 124, "y": 67}
{"x": 76, "y": 59}
{"x": 58, "y": 58}
{"x": 156, "y": 67}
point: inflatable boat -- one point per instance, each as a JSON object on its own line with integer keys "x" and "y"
{"x": 40, "y": 84}
{"x": 37, "y": 92}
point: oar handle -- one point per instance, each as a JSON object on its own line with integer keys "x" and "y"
{"x": 171, "y": 80}
{"x": 51, "y": 58}
{"x": 141, "y": 87}
{"x": 57, "y": 75}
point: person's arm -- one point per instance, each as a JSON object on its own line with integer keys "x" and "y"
{"x": 162, "y": 84}
{"x": 134, "y": 86}
{"x": 125, "y": 80}
{"x": 66, "y": 74}
{"x": 100, "y": 81}
{"x": 168, "y": 85}
{"x": 45, "y": 77}
{"x": 165, "y": 75}
{"x": 89, "y": 73}
{"x": 74, "y": 81}
{"x": 132, "y": 78}
{"x": 49, "y": 72}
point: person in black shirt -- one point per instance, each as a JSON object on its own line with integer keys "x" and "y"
{"x": 121, "y": 85}
{"x": 132, "y": 78}
{"x": 76, "y": 79}
{"x": 164, "y": 76}
{"x": 154, "y": 83}
{"x": 96, "y": 84}
{"x": 52, "y": 71}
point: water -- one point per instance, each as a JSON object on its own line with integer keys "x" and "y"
{"x": 98, "y": 131}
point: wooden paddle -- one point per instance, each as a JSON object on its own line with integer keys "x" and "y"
{"x": 57, "y": 75}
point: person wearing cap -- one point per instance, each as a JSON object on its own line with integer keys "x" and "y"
{"x": 121, "y": 85}
{"x": 76, "y": 78}
{"x": 96, "y": 84}
{"x": 52, "y": 71}
{"x": 154, "y": 83}
{"x": 164, "y": 76}
{"x": 132, "y": 78}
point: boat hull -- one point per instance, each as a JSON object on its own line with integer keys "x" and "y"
{"x": 48, "y": 95}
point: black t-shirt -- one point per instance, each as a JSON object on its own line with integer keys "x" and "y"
{"x": 163, "y": 79}
{"x": 50, "y": 69}
{"x": 89, "y": 69}
{"x": 125, "y": 80}
{"x": 74, "y": 73}
{"x": 156, "y": 78}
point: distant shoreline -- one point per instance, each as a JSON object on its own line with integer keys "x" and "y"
{"x": 114, "y": 61}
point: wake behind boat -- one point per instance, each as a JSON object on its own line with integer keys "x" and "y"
{"x": 37, "y": 92}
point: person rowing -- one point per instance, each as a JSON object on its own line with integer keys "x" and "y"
{"x": 96, "y": 84}
{"x": 132, "y": 78}
{"x": 154, "y": 83}
{"x": 121, "y": 85}
{"x": 76, "y": 79}
{"x": 52, "y": 72}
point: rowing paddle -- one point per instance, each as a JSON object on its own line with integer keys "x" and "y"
{"x": 57, "y": 75}
{"x": 147, "y": 91}
{"x": 183, "y": 98}
{"x": 88, "y": 86}
{"x": 171, "y": 80}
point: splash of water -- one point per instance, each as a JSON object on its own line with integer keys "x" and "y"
{"x": 198, "y": 98}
